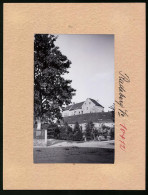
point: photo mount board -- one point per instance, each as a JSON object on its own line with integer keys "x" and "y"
{"x": 21, "y": 21}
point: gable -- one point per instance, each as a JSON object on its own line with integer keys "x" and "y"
{"x": 96, "y": 103}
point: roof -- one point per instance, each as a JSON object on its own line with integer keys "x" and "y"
{"x": 68, "y": 107}
{"x": 77, "y": 106}
{"x": 101, "y": 117}
{"x": 96, "y": 103}
{"x": 74, "y": 106}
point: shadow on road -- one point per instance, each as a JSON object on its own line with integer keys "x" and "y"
{"x": 73, "y": 155}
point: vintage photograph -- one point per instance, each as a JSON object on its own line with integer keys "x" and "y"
{"x": 74, "y": 117}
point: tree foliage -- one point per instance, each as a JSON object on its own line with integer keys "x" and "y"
{"x": 66, "y": 132}
{"x": 89, "y": 131}
{"x": 112, "y": 107}
{"x": 51, "y": 90}
{"x": 77, "y": 133}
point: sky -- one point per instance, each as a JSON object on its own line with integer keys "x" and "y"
{"x": 92, "y": 68}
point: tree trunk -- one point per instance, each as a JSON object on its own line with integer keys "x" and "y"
{"x": 39, "y": 124}
{"x": 39, "y": 118}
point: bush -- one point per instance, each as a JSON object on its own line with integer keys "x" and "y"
{"x": 57, "y": 132}
{"x": 89, "y": 131}
{"x": 52, "y": 130}
{"x": 69, "y": 133}
{"x": 112, "y": 134}
{"x": 77, "y": 133}
{"x": 63, "y": 134}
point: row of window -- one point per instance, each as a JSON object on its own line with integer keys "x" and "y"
{"x": 80, "y": 111}
{"x": 89, "y": 103}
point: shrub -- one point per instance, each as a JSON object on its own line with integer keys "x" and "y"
{"x": 77, "y": 133}
{"x": 52, "y": 130}
{"x": 57, "y": 132}
{"x": 112, "y": 134}
{"x": 63, "y": 133}
{"x": 89, "y": 131}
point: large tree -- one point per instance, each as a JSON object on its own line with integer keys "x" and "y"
{"x": 51, "y": 91}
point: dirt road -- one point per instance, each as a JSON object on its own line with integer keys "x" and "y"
{"x": 73, "y": 155}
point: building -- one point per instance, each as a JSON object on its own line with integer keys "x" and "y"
{"x": 88, "y": 106}
{"x": 99, "y": 119}
{"x": 84, "y": 112}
